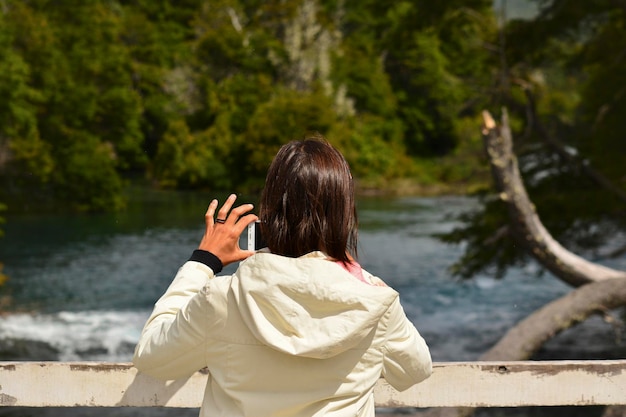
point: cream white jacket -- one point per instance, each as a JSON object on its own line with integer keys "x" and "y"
{"x": 282, "y": 337}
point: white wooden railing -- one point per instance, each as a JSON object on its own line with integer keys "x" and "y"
{"x": 466, "y": 384}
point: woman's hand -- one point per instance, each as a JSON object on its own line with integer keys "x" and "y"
{"x": 221, "y": 236}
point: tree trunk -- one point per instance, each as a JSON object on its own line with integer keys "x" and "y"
{"x": 601, "y": 288}
{"x": 526, "y": 227}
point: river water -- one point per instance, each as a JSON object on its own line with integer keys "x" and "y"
{"x": 82, "y": 286}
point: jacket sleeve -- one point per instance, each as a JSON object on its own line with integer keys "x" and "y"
{"x": 172, "y": 344}
{"x": 406, "y": 358}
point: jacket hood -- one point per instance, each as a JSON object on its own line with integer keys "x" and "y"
{"x": 307, "y": 306}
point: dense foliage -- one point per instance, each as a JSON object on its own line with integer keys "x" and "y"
{"x": 564, "y": 84}
{"x": 200, "y": 93}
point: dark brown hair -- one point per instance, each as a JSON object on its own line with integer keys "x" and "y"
{"x": 307, "y": 203}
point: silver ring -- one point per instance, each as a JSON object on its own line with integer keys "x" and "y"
{"x": 221, "y": 221}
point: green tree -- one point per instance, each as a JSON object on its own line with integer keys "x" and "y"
{"x": 78, "y": 75}
{"x": 288, "y": 115}
{"x": 438, "y": 65}
{"x": 137, "y": 86}
{"x": 23, "y": 153}
{"x": 184, "y": 159}
{"x": 563, "y": 70}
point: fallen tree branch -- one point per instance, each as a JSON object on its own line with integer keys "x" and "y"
{"x": 526, "y": 338}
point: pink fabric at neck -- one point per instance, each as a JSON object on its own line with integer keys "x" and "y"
{"x": 355, "y": 269}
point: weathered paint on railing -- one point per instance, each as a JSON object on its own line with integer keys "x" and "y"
{"x": 465, "y": 384}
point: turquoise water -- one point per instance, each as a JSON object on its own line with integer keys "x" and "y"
{"x": 81, "y": 286}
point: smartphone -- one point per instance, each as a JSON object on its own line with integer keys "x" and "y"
{"x": 255, "y": 240}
